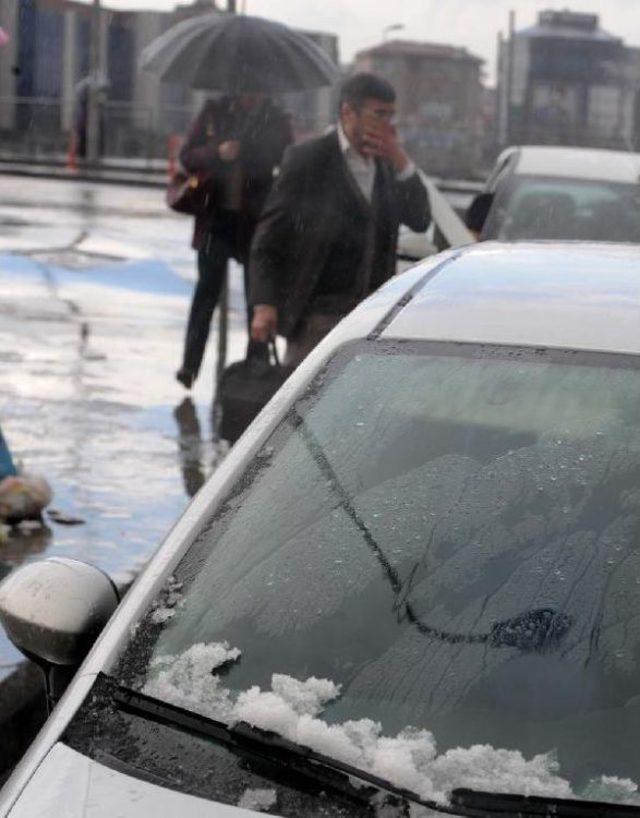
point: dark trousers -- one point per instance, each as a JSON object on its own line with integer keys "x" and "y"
{"x": 321, "y": 316}
{"x": 212, "y": 264}
{"x": 213, "y": 260}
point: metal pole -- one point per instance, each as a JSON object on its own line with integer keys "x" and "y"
{"x": 510, "y": 52}
{"x": 93, "y": 115}
{"x": 223, "y": 304}
{"x": 223, "y": 327}
{"x": 500, "y": 91}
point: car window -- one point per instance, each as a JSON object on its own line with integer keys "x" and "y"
{"x": 448, "y": 537}
{"x": 541, "y": 208}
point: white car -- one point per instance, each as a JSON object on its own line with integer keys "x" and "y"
{"x": 580, "y": 194}
{"x": 412, "y": 587}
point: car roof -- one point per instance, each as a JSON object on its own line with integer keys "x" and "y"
{"x": 541, "y": 294}
{"x": 578, "y": 163}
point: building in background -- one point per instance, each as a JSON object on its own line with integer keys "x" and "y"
{"x": 313, "y": 111}
{"x": 439, "y": 102}
{"x": 565, "y": 81}
{"x": 48, "y": 54}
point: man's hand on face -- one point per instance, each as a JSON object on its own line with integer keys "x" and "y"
{"x": 264, "y": 325}
{"x": 228, "y": 151}
{"x": 381, "y": 139}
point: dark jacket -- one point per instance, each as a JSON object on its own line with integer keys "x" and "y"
{"x": 263, "y": 133}
{"x": 307, "y": 217}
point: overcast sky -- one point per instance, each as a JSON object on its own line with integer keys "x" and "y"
{"x": 471, "y": 23}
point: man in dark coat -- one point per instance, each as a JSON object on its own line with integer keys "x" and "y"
{"x": 238, "y": 142}
{"x": 328, "y": 233}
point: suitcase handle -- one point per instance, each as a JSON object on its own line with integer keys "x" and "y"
{"x": 273, "y": 350}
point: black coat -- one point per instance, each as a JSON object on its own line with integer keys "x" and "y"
{"x": 263, "y": 134}
{"x": 303, "y": 224}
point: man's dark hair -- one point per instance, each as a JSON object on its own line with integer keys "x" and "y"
{"x": 356, "y": 89}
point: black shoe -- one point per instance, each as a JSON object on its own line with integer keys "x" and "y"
{"x": 185, "y": 377}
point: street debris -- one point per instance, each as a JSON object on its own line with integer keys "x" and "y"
{"x": 64, "y": 519}
{"x": 23, "y": 497}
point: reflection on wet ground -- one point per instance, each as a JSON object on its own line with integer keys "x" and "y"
{"x": 198, "y": 457}
{"x": 24, "y": 543}
{"x": 190, "y": 446}
{"x": 90, "y": 338}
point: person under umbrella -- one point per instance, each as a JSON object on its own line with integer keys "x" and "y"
{"x": 237, "y": 142}
{"x": 100, "y": 85}
{"x": 238, "y": 139}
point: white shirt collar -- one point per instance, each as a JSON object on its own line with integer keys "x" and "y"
{"x": 347, "y": 148}
{"x": 342, "y": 138}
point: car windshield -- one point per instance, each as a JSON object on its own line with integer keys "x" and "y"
{"x": 435, "y": 538}
{"x": 570, "y": 209}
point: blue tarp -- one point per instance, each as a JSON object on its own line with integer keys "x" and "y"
{"x": 7, "y": 467}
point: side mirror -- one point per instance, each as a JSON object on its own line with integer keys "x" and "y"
{"x": 54, "y": 609}
{"x": 478, "y": 211}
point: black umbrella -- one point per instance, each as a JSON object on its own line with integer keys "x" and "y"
{"x": 238, "y": 54}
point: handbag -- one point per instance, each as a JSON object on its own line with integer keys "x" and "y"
{"x": 190, "y": 193}
{"x": 245, "y": 387}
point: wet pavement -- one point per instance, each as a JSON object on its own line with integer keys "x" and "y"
{"x": 95, "y": 284}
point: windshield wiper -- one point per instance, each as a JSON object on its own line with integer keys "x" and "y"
{"x": 474, "y": 802}
{"x": 255, "y": 744}
{"x": 540, "y": 630}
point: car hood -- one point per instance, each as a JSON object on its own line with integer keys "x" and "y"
{"x": 72, "y": 785}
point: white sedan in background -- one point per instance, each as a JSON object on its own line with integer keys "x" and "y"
{"x": 578, "y": 194}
